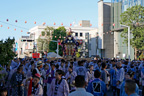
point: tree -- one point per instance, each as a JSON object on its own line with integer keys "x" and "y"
{"x": 43, "y": 42}
{"x": 133, "y": 17}
{"x": 141, "y": 57}
{"x": 6, "y": 52}
{"x": 48, "y": 31}
{"x": 58, "y": 33}
{"x": 40, "y": 44}
{"x": 46, "y": 45}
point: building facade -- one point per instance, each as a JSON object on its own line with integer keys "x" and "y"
{"x": 129, "y": 3}
{"x": 25, "y": 46}
{"x": 105, "y": 37}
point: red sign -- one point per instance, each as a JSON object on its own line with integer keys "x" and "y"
{"x": 59, "y": 43}
{"x": 35, "y": 55}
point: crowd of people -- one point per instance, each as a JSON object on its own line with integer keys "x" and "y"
{"x": 61, "y": 77}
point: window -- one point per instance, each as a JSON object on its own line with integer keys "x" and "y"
{"x": 81, "y": 34}
{"x": 76, "y": 34}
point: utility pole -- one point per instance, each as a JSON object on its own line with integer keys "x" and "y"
{"x": 128, "y": 40}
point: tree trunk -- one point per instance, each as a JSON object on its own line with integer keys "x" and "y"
{"x": 135, "y": 53}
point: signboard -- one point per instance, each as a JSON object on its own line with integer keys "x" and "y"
{"x": 35, "y": 55}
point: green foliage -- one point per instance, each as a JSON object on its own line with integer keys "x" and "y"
{"x": 58, "y": 33}
{"x": 6, "y": 52}
{"x": 141, "y": 56}
{"x": 134, "y": 14}
{"x": 60, "y": 51}
{"x": 43, "y": 43}
{"x": 51, "y": 51}
{"x": 48, "y": 33}
{"x": 43, "y": 33}
{"x": 40, "y": 44}
{"x": 46, "y": 45}
{"x": 48, "y": 30}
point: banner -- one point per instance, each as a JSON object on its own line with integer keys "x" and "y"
{"x": 35, "y": 55}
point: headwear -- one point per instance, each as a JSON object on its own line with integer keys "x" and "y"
{"x": 52, "y": 63}
{"x": 30, "y": 84}
{"x": 130, "y": 72}
{"x": 39, "y": 63}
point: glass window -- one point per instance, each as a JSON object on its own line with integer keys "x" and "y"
{"x": 76, "y": 34}
{"x": 142, "y": 2}
{"x": 81, "y": 34}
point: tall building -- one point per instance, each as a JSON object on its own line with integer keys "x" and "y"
{"x": 129, "y": 3}
{"x": 118, "y": 7}
{"x": 83, "y": 31}
{"x": 106, "y": 38}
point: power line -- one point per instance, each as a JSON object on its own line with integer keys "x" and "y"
{"x": 14, "y": 25}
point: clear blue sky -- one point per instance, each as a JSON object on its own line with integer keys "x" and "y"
{"x": 49, "y": 11}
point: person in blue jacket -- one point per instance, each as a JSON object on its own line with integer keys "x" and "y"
{"x": 130, "y": 87}
{"x": 97, "y": 87}
{"x": 113, "y": 79}
{"x": 129, "y": 76}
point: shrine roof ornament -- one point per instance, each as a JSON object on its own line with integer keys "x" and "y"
{"x": 69, "y": 38}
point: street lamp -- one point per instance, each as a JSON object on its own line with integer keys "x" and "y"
{"x": 128, "y": 40}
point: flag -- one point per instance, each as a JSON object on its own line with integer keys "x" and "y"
{"x": 30, "y": 88}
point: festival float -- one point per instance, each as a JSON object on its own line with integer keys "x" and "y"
{"x": 70, "y": 46}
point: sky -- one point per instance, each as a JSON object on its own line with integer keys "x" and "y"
{"x": 49, "y": 11}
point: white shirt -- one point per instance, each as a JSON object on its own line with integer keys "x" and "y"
{"x": 80, "y": 92}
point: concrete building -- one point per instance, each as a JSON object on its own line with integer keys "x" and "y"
{"x": 25, "y": 46}
{"x": 106, "y": 38}
{"x": 82, "y": 31}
